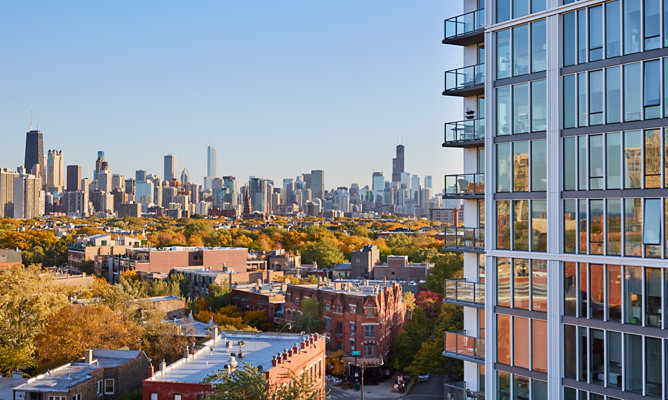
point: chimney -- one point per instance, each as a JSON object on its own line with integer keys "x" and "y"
{"x": 88, "y": 356}
{"x": 163, "y": 366}
{"x": 186, "y": 352}
{"x": 285, "y": 355}
{"x": 215, "y": 334}
{"x": 273, "y": 361}
{"x": 295, "y": 350}
{"x": 150, "y": 370}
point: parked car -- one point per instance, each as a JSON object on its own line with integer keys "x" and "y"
{"x": 423, "y": 377}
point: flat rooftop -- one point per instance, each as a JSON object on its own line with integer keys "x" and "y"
{"x": 258, "y": 350}
{"x": 68, "y": 375}
{"x": 352, "y": 287}
{"x": 185, "y": 248}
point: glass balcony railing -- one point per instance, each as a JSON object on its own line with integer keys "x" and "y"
{"x": 463, "y": 291}
{"x": 464, "y": 238}
{"x": 458, "y": 391}
{"x": 464, "y": 131}
{"x": 457, "y": 343}
{"x": 465, "y": 185}
{"x": 464, "y": 24}
{"x": 466, "y": 77}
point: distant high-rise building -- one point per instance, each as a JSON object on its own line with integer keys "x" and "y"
{"x": 318, "y": 183}
{"x": 7, "y": 192}
{"x": 28, "y": 196}
{"x": 55, "y": 174}
{"x": 140, "y": 175}
{"x": 98, "y": 164}
{"x": 73, "y": 177}
{"x": 398, "y": 164}
{"x": 211, "y": 162}
{"x": 185, "y": 176}
{"x": 427, "y": 182}
{"x": 35, "y": 153}
{"x": 377, "y": 184}
{"x": 170, "y": 167}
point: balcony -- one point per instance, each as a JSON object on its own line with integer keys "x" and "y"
{"x": 465, "y": 186}
{"x": 465, "y": 29}
{"x": 462, "y": 239}
{"x": 458, "y": 391}
{"x": 467, "y": 348}
{"x": 464, "y": 293}
{"x": 466, "y": 81}
{"x": 467, "y": 133}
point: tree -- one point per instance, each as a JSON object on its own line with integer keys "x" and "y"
{"x": 162, "y": 341}
{"x": 249, "y": 383}
{"x": 311, "y": 319}
{"x": 77, "y": 328}
{"x": 257, "y": 319}
{"x": 409, "y": 299}
{"x": 446, "y": 265}
{"x": 27, "y": 299}
{"x": 324, "y": 252}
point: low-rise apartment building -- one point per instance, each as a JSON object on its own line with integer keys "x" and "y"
{"x": 86, "y": 248}
{"x": 269, "y": 297}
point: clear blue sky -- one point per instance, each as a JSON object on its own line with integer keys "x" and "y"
{"x": 278, "y": 87}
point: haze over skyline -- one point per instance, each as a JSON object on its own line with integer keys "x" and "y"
{"x": 278, "y": 89}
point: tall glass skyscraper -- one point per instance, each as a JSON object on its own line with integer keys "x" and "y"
{"x": 565, "y": 289}
{"x": 211, "y": 162}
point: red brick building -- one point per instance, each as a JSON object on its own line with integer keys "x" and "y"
{"x": 274, "y": 353}
{"x": 269, "y": 297}
{"x": 165, "y": 259}
{"x": 359, "y": 316}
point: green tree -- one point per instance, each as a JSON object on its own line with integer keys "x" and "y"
{"x": 324, "y": 252}
{"x": 248, "y": 383}
{"x": 446, "y": 266}
{"x": 311, "y": 319}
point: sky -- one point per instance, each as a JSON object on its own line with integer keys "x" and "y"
{"x": 278, "y": 87}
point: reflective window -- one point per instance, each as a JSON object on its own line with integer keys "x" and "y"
{"x": 538, "y": 46}
{"x": 570, "y": 349}
{"x": 521, "y": 108}
{"x": 652, "y": 222}
{"x": 503, "y": 157}
{"x": 503, "y": 225}
{"x": 612, "y": 29}
{"x": 569, "y": 163}
{"x": 503, "y": 54}
{"x": 613, "y": 160}
{"x": 652, "y": 24}
{"x": 582, "y": 226}
{"x": 632, "y": 160}
{"x": 596, "y": 233}
{"x": 614, "y": 359}
{"x": 538, "y": 166}
{"x": 539, "y": 285}
{"x": 596, "y": 291}
{"x": 613, "y": 94}
{"x": 569, "y": 37}
{"x": 583, "y": 293}
{"x": 570, "y": 288}
{"x": 582, "y": 99}
{"x": 633, "y": 362}
{"x": 539, "y": 339}
{"x": 503, "y": 383}
{"x": 653, "y": 158}
{"x": 632, "y": 88}
{"x": 665, "y": 23}
{"x": 631, "y": 26}
{"x": 596, "y": 152}
{"x": 503, "y": 282}
{"x": 614, "y": 227}
{"x": 582, "y": 35}
{"x": 595, "y": 33}
{"x": 539, "y": 388}
{"x": 597, "y": 356}
{"x": 521, "y": 225}
{"x": 521, "y": 276}
{"x": 521, "y": 166}
{"x": 503, "y": 111}
{"x": 633, "y": 295}
{"x": 653, "y": 297}
{"x": 665, "y": 155}
{"x": 520, "y": 387}
{"x": 570, "y": 100}
{"x": 596, "y": 97}
{"x": 569, "y": 226}
{"x": 521, "y": 50}
{"x": 614, "y": 282}
{"x": 538, "y": 225}
{"x": 653, "y": 365}
{"x": 583, "y": 349}
{"x": 632, "y": 225}
{"x": 538, "y": 106}
{"x": 652, "y": 89}
{"x": 520, "y": 8}
{"x": 503, "y": 339}
{"x": 537, "y": 5}
{"x": 521, "y": 332}
{"x": 665, "y": 87}
{"x": 582, "y": 162}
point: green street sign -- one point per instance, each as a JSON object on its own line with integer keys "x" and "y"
{"x": 356, "y": 353}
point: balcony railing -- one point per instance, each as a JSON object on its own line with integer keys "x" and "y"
{"x": 463, "y": 78}
{"x": 458, "y": 391}
{"x": 459, "y": 238}
{"x": 464, "y": 131}
{"x": 464, "y": 24}
{"x": 467, "y": 347}
{"x": 461, "y": 291}
{"x": 465, "y": 185}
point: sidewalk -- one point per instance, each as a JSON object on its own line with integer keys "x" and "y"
{"x": 380, "y": 391}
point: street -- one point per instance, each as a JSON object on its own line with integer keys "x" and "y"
{"x": 421, "y": 391}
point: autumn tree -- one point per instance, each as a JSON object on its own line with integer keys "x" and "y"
{"x": 324, "y": 252}
{"x": 162, "y": 341}
{"x": 27, "y": 300}
{"x": 76, "y": 328}
{"x": 311, "y": 319}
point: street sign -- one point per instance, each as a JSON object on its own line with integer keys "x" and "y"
{"x": 356, "y": 353}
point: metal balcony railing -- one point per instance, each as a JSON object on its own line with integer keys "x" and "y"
{"x": 461, "y": 291}
{"x": 464, "y": 24}
{"x": 465, "y": 77}
{"x": 458, "y": 344}
{"x": 458, "y": 391}
{"x": 464, "y": 131}
{"x": 465, "y": 185}
{"x": 460, "y": 238}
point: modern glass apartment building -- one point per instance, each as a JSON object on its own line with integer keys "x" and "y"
{"x": 574, "y": 189}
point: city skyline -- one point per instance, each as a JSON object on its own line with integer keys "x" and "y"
{"x": 117, "y": 93}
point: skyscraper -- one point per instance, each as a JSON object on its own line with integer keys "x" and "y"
{"x": 35, "y": 153}
{"x": 170, "y": 167}
{"x": 73, "y": 177}
{"x": 7, "y": 192}
{"x": 185, "y": 176}
{"x": 398, "y": 164}
{"x": 98, "y": 164}
{"x": 211, "y": 162}
{"x": 55, "y": 174}
{"x": 318, "y": 183}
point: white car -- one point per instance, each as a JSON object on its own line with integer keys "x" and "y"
{"x": 423, "y": 377}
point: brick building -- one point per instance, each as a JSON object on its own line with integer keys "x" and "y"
{"x": 199, "y": 279}
{"x": 398, "y": 268}
{"x": 165, "y": 259}
{"x": 100, "y": 374}
{"x": 281, "y": 260}
{"x": 274, "y": 353}
{"x": 268, "y": 297}
{"x": 86, "y": 248}
{"x": 358, "y": 315}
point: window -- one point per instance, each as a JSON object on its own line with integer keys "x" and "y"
{"x": 596, "y": 233}
{"x": 177, "y": 397}
{"x": 521, "y": 276}
{"x": 539, "y": 225}
{"x": 631, "y": 27}
{"x": 369, "y": 350}
{"x": 582, "y": 226}
{"x": 521, "y": 108}
{"x": 632, "y": 225}
{"x": 652, "y": 223}
{"x": 353, "y": 309}
{"x": 339, "y": 328}
{"x": 632, "y": 88}
{"x": 613, "y": 160}
{"x": 538, "y": 46}
{"x": 108, "y": 386}
{"x": 582, "y": 99}
{"x": 328, "y": 323}
{"x": 582, "y": 162}
{"x": 503, "y": 157}
{"x": 503, "y": 338}
{"x": 652, "y": 24}
{"x": 369, "y": 331}
{"x": 570, "y": 348}
{"x": 612, "y": 29}
{"x": 520, "y": 8}
{"x": 538, "y": 106}
{"x": 583, "y": 349}
{"x": 582, "y": 35}
{"x": 633, "y": 362}
{"x": 614, "y": 359}
{"x": 521, "y": 225}
{"x": 78, "y": 397}
{"x": 632, "y": 160}
{"x": 503, "y": 225}
{"x": 596, "y": 152}
{"x": 596, "y": 357}
{"x": 352, "y": 328}
{"x": 338, "y": 309}
{"x": 614, "y": 227}
{"x": 569, "y": 163}
{"x": 538, "y": 166}
{"x": 652, "y": 89}
{"x": 596, "y": 286}
{"x": 502, "y": 10}
{"x": 569, "y": 226}
{"x": 521, "y": 334}
{"x": 59, "y": 397}
{"x": 503, "y": 54}
{"x": 614, "y": 282}
{"x": 100, "y": 387}
{"x": 569, "y": 37}
{"x": 327, "y": 307}
{"x": 596, "y": 97}
{"x": 521, "y": 50}
{"x": 503, "y": 266}
{"x": 595, "y": 33}
{"x": 583, "y": 292}
{"x": 539, "y": 285}
{"x": 613, "y": 93}
{"x": 653, "y": 283}
{"x": 633, "y": 295}
{"x": 653, "y": 363}
{"x": 503, "y": 111}
{"x": 570, "y": 100}
{"x": 539, "y": 344}
{"x": 521, "y": 166}
{"x": 369, "y": 311}
{"x": 154, "y": 396}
